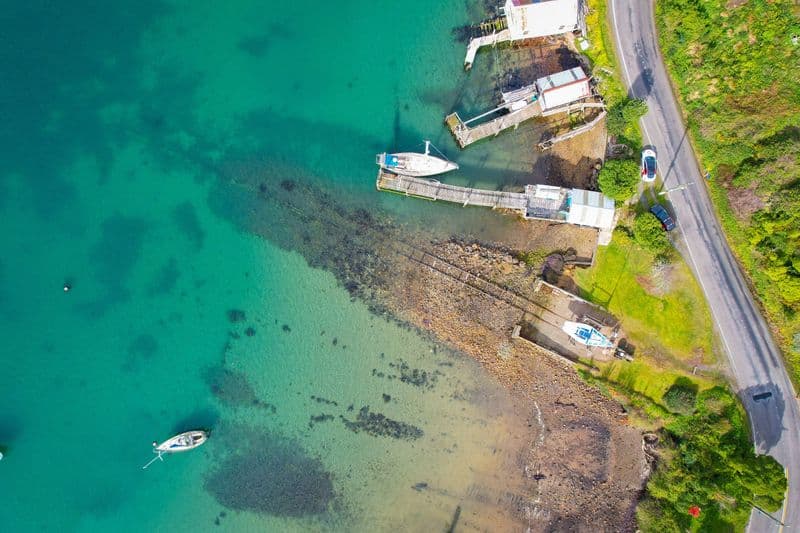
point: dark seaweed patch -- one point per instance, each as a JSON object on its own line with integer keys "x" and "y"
{"x": 319, "y": 399}
{"x": 319, "y": 418}
{"x": 145, "y": 345}
{"x": 416, "y": 376}
{"x": 250, "y": 331}
{"x": 379, "y": 425}
{"x": 185, "y": 217}
{"x": 236, "y": 315}
{"x": 270, "y": 474}
{"x": 114, "y": 257}
{"x": 288, "y": 185}
{"x": 234, "y": 389}
{"x": 286, "y": 328}
{"x": 165, "y": 280}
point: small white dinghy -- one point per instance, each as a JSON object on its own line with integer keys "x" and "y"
{"x": 182, "y": 442}
{"x": 414, "y": 164}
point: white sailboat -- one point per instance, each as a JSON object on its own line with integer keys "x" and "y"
{"x": 415, "y": 164}
{"x": 586, "y": 334}
{"x": 181, "y": 442}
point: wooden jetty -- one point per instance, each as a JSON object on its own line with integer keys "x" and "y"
{"x": 542, "y": 202}
{"x": 431, "y": 189}
{"x": 485, "y": 40}
{"x": 466, "y": 135}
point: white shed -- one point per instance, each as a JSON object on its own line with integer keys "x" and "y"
{"x": 538, "y": 18}
{"x": 590, "y": 208}
{"x": 563, "y": 88}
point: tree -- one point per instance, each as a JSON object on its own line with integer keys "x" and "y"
{"x": 648, "y": 233}
{"x": 624, "y": 114}
{"x": 680, "y": 397}
{"x": 712, "y": 466}
{"x": 618, "y": 178}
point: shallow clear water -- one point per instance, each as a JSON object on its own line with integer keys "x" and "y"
{"x": 116, "y": 121}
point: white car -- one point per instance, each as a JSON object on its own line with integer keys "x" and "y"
{"x": 649, "y": 165}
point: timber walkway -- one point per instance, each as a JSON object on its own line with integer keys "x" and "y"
{"x": 542, "y": 202}
{"x": 466, "y": 135}
{"x": 431, "y": 189}
{"x": 485, "y": 40}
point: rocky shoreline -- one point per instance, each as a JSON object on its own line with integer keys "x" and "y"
{"x": 584, "y": 467}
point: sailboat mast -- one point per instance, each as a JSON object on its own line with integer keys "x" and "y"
{"x": 427, "y": 147}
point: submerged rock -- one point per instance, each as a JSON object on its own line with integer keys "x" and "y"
{"x": 270, "y": 474}
{"x": 379, "y": 425}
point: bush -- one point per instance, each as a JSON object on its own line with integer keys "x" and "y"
{"x": 532, "y": 258}
{"x": 619, "y": 178}
{"x": 623, "y": 115}
{"x": 680, "y": 397}
{"x": 712, "y": 466}
{"x": 648, "y": 233}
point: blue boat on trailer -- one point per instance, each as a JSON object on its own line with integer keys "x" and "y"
{"x": 586, "y": 335}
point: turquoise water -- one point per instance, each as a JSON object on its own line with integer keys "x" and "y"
{"x": 119, "y": 123}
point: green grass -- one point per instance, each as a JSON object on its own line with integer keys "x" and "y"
{"x": 601, "y": 54}
{"x": 675, "y": 325}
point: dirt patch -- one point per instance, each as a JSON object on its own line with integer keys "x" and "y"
{"x": 744, "y": 201}
{"x": 732, "y": 4}
{"x": 575, "y": 161}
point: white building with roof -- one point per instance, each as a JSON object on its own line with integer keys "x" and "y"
{"x": 563, "y": 88}
{"x": 539, "y": 18}
{"x": 528, "y": 19}
{"x": 594, "y": 209}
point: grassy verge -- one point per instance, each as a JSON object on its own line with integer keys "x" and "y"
{"x": 735, "y": 69}
{"x": 706, "y": 464}
{"x": 660, "y": 306}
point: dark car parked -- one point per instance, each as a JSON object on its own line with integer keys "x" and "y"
{"x": 661, "y": 214}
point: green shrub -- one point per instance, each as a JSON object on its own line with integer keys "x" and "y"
{"x": 680, "y": 397}
{"x": 712, "y": 465}
{"x": 532, "y": 258}
{"x": 649, "y": 234}
{"x": 619, "y": 178}
{"x": 624, "y": 114}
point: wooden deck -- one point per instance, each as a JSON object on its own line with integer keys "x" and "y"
{"x": 485, "y": 40}
{"x": 466, "y": 135}
{"x": 431, "y": 189}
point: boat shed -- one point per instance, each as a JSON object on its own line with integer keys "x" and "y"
{"x": 539, "y": 18}
{"x": 563, "y": 88}
{"x": 591, "y": 208}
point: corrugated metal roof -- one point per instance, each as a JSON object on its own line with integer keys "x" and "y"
{"x": 591, "y": 208}
{"x": 560, "y": 78}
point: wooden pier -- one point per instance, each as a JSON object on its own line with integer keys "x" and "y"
{"x": 466, "y": 135}
{"x": 486, "y": 40}
{"x": 431, "y": 189}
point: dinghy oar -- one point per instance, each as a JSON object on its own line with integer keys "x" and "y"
{"x": 153, "y": 460}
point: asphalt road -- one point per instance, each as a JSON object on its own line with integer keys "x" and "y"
{"x": 756, "y": 363}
